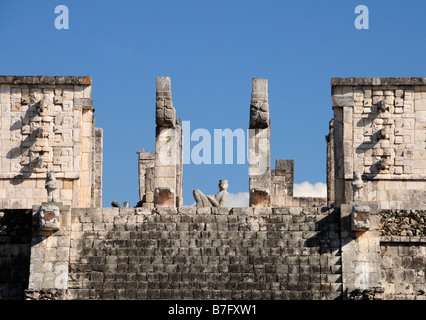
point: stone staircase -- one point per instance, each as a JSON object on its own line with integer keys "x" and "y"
{"x": 240, "y": 253}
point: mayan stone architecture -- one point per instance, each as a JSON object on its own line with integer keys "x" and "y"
{"x": 366, "y": 240}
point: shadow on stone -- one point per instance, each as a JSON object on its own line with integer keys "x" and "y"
{"x": 15, "y": 248}
{"x": 327, "y": 237}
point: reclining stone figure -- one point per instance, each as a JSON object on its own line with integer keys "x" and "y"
{"x": 218, "y": 200}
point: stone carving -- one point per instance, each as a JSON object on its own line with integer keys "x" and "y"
{"x": 381, "y": 105}
{"x": 51, "y": 187}
{"x": 57, "y": 100}
{"x": 25, "y": 100}
{"x": 41, "y": 133}
{"x": 360, "y": 218}
{"x": 386, "y": 159}
{"x": 383, "y": 164}
{"x": 39, "y": 163}
{"x": 385, "y": 134}
{"x": 388, "y": 120}
{"x": 165, "y": 113}
{"x": 41, "y": 107}
{"x": 357, "y": 185}
{"x": 385, "y": 154}
{"x": 259, "y": 107}
{"x": 49, "y": 217}
{"x": 217, "y": 200}
{"x": 48, "y": 137}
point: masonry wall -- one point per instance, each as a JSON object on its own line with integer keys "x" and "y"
{"x": 47, "y": 125}
{"x": 403, "y": 269}
{"x": 403, "y": 253}
{"x": 379, "y": 131}
{"x": 207, "y": 253}
{"x": 213, "y": 253}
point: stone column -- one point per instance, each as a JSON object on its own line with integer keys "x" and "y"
{"x": 50, "y": 245}
{"x": 166, "y": 147}
{"x": 330, "y": 165}
{"x": 179, "y": 165}
{"x": 361, "y": 258}
{"x": 146, "y": 166}
{"x": 87, "y": 142}
{"x": 97, "y": 159}
{"x": 282, "y": 181}
{"x": 259, "y": 145}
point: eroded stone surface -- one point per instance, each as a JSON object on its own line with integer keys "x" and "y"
{"x": 49, "y": 217}
{"x": 50, "y": 128}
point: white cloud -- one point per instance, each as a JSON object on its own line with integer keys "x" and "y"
{"x": 236, "y": 200}
{"x": 306, "y": 189}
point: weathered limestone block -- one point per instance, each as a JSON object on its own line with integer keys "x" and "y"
{"x": 259, "y": 153}
{"x": 360, "y": 218}
{"x": 50, "y": 247}
{"x": 360, "y": 246}
{"x": 282, "y": 181}
{"x": 165, "y": 113}
{"x": 286, "y": 167}
{"x": 146, "y": 164}
{"x": 49, "y": 217}
{"x": 259, "y": 107}
{"x": 342, "y": 96}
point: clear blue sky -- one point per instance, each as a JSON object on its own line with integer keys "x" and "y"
{"x": 212, "y": 50}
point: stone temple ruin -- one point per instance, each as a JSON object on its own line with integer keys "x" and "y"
{"x": 366, "y": 240}
{"x": 160, "y": 182}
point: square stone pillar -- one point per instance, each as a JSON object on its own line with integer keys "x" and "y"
{"x": 259, "y": 149}
{"x": 330, "y": 165}
{"x": 146, "y": 166}
{"x": 282, "y": 181}
{"x": 167, "y": 175}
{"x": 361, "y": 257}
{"x": 50, "y": 245}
